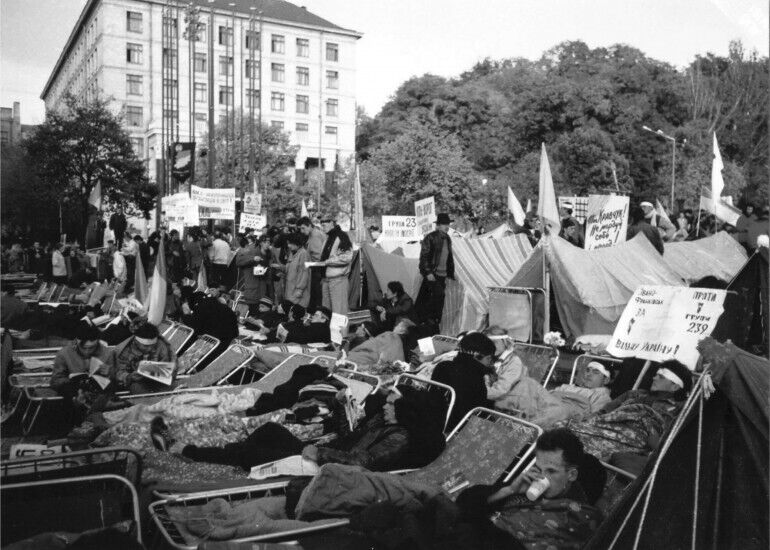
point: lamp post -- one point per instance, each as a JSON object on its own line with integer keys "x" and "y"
{"x": 662, "y": 134}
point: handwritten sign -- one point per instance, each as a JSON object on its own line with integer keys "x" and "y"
{"x": 253, "y": 221}
{"x": 218, "y": 204}
{"x": 425, "y": 215}
{"x": 402, "y": 228}
{"x": 252, "y": 203}
{"x": 666, "y": 322}
{"x": 607, "y": 221}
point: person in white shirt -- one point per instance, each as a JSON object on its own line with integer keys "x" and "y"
{"x": 58, "y": 265}
{"x": 220, "y": 259}
{"x": 119, "y": 268}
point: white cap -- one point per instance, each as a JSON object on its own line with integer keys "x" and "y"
{"x": 669, "y": 375}
{"x": 596, "y": 365}
{"x": 646, "y": 203}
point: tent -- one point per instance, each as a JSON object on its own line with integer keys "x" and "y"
{"x": 382, "y": 267}
{"x": 592, "y": 287}
{"x": 720, "y": 448}
{"x": 718, "y": 256}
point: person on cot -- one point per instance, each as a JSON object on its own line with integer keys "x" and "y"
{"x": 145, "y": 345}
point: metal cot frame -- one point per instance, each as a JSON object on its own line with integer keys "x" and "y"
{"x": 529, "y": 293}
{"x": 204, "y": 339}
{"x": 427, "y": 385}
{"x": 178, "y": 336}
{"x": 537, "y": 347}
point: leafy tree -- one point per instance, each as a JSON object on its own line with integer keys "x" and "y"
{"x": 81, "y": 146}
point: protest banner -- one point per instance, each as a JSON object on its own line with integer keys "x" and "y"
{"x": 179, "y": 211}
{"x": 425, "y": 215}
{"x": 666, "y": 322}
{"x": 607, "y": 221}
{"x": 253, "y": 221}
{"x": 403, "y": 228}
{"x": 252, "y": 203}
{"x": 218, "y": 204}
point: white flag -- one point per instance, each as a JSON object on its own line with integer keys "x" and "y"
{"x": 95, "y": 197}
{"x": 547, "y": 208}
{"x": 717, "y": 183}
{"x": 304, "y": 213}
{"x": 660, "y": 211}
{"x": 514, "y": 207}
{"x": 529, "y": 205}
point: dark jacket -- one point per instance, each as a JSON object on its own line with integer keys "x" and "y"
{"x": 118, "y": 224}
{"x": 402, "y": 309}
{"x": 214, "y": 318}
{"x": 430, "y": 252}
{"x": 652, "y": 234}
{"x": 466, "y": 376}
{"x": 309, "y": 334}
{"x": 373, "y": 445}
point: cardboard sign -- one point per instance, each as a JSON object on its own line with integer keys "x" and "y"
{"x": 607, "y": 221}
{"x": 218, "y": 204}
{"x": 252, "y": 203}
{"x": 425, "y": 215}
{"x": 253, "y": 221}
{"x": 400, "y": 228}
{"x": 667, "y": 322}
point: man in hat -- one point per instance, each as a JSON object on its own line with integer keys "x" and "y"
{"x": 436, "y": 265}
{"x": 665, "y": 227}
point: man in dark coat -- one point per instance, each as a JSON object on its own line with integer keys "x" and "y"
{"x": 118, "y": 224}
{"x": 638, "y": 224}
{"x": 436, "y": 266}
{"x": 207, "y": 315}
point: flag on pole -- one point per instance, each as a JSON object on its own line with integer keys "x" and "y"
{"x": 514, "y": 207}
{"x": 717, "y": 183}
{"x": 141, "y": 292}
{"x": 156, "y": 302}
{"x": 203, "y": 283}
{"x": 95, "y": 197}
{"x": 660, "y": 211}
{"x": 304, "y": 213}
{"x": 359, "y": 209}
{"x": 529, "y": 205}
{"x": 546, "y": 202}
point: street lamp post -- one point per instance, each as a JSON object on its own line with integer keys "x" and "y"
{"x": 660, "y": 133}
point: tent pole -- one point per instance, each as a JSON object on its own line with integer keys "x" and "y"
{"x": 697, "y": 476}
{"x": 645, "y": 368}
{"x": 547, "y": 301}
{"x": 718, "y": 496}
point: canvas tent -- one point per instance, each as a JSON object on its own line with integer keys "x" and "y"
{"x": 722, "y": 449}
{"x": 718, "y": 256}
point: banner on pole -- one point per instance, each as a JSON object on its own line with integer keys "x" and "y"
{"x": 179, "y": 211}
{"x": 252, "y": 203}
{"x": 253, "y": 221}
{"x": 182, "y": 156}
{"x": 402, "y": 228}
{"x": 667, "y": 322}
{"x": 425, "y": 215}
{"x": 607, "y": 221}
{"x": 217, "y": 204}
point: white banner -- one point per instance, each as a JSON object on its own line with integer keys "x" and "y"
{"x": 425, "y": 215}
{"x": 218, "y": 204}
{"x": 607, "y": 221}
{"x": 666, "y": 322}
{"x": 253, "y": 221}
{"x": 252, "y": 203}
{"x": 179, "y": 210}
{"x": 400, "y": 228}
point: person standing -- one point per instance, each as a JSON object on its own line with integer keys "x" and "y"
{"x": 337, "y": 255}
{"x": 119, "y": 269}
{"x": 175, "y": 256}
{"x": 194, "y": 255}
{"x": 58, "y": 265}
{"x": 436, "y": 266}
{"x": 254, "y": 287}
{"x": 314, "y": 245}
{"x": 746, "y": 219}
{"x": 665, "y": 227}
{"x": 130, "y": 251}
{"x": 297, "y": 275}
{"x": 638, "y": 223}
{"x": 220, "y": 259}
{"x": 118, "y": 224}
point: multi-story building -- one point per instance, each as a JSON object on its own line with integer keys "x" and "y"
{"x": 305, "y": 82}
{"x": 11, "y": 129}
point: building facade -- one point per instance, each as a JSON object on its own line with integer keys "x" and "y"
{"x": 295, "y": 68}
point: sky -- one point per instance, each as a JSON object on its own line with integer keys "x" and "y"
{"x": 405, "y": 38}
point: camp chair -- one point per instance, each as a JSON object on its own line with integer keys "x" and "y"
{"x": 38, "y": 399}
{"x": 237, "y": 296}
{"x": 443, "y": 344}
{"x": 118, "y": 461}
{"x": 38, "y": 295}
{"x": 539, "y": 360}
{"x": 165, "y": 327}
{"x": 70, "y": 504}
{"x": 358, "y": 317}
{"x": 52, "y": 290}
{"x": 374, "y": 381}
{"x": 110, "y": 305}
{"x": 579, "y": 365}
{"x": 518, "y": 310}
{"x": 196, "y": 354}
{"x": 282, "y": 372}
{"x": 19, "y": 403}
{"x": 232, "y": 361}
{"x": 35, "y": 353}
{"x": 242, "y": 311}
{"x": 178, "y": 336}
{"x": 447, "y": 392}
{"x": 617, "y": 483}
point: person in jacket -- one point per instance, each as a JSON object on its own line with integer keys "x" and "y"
{"x": 253, "y": 286}
{"x": 396, "y": 305}
{"x": 337, "y": 255}
{"x": 118, "y": 224}
{"x": 315, "y": 328}
{"x": 207, "y": 315}
{"x": 58, "y": 265}
{"x": 315, "y": 240}
{"x": 193, "y": 255}
{"x": 436, "y": 266}
{"x": 639, "y": 224}
{"x": 531, "y": 228}
{"x": 403, "y": 430}
{"x": 665, "y": 227}
{"x": 145, "y": 345}
{"x": 175, "y": 260}
{"x": 466, "y": 374}
{"x": 220, "y": 259}
{"x": 297, "y": 290}
{"x": 571, "y": 229}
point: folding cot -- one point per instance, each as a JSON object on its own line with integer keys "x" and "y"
{"x": 235, "y": 359}
{"x": 198, "y": 352}
{"x": 178, "y": 336}
{"x": 447, "y": 392}
{"x": 539, "y": 360}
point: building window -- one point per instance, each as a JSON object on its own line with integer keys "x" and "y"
{"x": 225, "y": 95}
{"x": 252, "y": 68}
{"x": 134, "y": 84}
{"x": 200, "y": 92}
{"x": 303, "y": 104}
{"x": 277, "y": 43}
{"x": 303, "y": 47}
{"x": 169, "y": 58}
{"x": 303, "y": 76}
{"x": 225, "y": 66}
{"x": 277, "y": 100}
{"x": 277, "y": 72}
{"x": 170, "y": 27}
{"x": 199, "y": 63}
{"x": 134, "y": 53}
{"x": 332, "y": 80}
{"x": 133, "y": 21}
{"x": 134, "y": 116}
{"x": 252, "y": 98}
{"x": 225, "y": 36}
{"x": 170, "y": 88}
{"x": 331, "y": 134}
{"x": 332, "y": 107}
{"x": 332, "y": 52}
{"x": 252, "y": 40}
{"x": 201, "y": 117}
{"x": 302, "y": 127}
{"x": 277, "y": 124}
{"x": 137, "y": 144}
{"x": 170, "y": 114}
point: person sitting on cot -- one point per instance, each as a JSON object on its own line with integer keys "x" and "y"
{"x": 145, "y": 345}
{"x": 315, "y": 328}
{"x": 401, "y": 430}
{"x": 376, "y": 346}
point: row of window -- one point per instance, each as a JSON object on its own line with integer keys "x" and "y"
{"x": 134, "y": 23}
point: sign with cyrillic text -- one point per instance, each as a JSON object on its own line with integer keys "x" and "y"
{"x": 425, "y": 215}
{"x": 607, "y": 221}
{"x": 253, "y": 221}
{"x": 218, "y": 204}
{"x": 402, "y": 228}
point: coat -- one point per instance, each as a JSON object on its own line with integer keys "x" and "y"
{"x": 430, "y": 252}
{"x": 387, "y": 346}
{"x": 652, "y": 234}
{"x": 253, "y": 287}
{"x": 298, "y": 278}
{"x": 128, "y": 357}
{"x": 68, "y": 361}
{"x": 466, "y": 376}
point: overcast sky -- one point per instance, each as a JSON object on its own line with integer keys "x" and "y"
{"x": 403, "y": 38}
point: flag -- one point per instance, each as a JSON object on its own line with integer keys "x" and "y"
{"x": 514, "y": 207}
{"x": 529, "y": 205}
{"x": 546, "y": 202}
{"x": 140, "y": 282}
{"x": 156, "y": 301}
{"x": 359, "y": 209}
{"x": 203, "y": 283}
{"x": 717, "y": 183}
{"x": 95, "y": 197}
{"x": 660, "y": 211}
{"x": 722, "y": 210}
{"x": 304, "y": 213}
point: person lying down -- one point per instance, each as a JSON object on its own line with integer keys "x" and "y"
{"x": 544, "y": 408}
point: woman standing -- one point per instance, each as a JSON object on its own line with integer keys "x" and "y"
{"x": 297, "y": 275}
